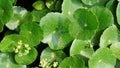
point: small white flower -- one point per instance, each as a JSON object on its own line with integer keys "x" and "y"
{"x": 55, "y": 64}
{"x": 26, "y": 45}
{"x": 16, "y": 50}
{"x": 18, "y": 47}
{"x": 26, "y": 51}
{"x": 42, "y": 63}
{"x": 20, "y": 42}
{"x": 29, "y": 48}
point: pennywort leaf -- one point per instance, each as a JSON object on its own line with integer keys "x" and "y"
{"x": 19, "y": 13}
{"x": 82, "y": 48}
{"x": 51, "y": 58}
{"x": 102, "y": 58}
{"x": 6, "y": 61}
{"x": 38, "y": 14}
{"x": 85, "y": 26}
{"x": 55, "y": 30}
{"x": 69, "y": 6}
{"x": 109, "y": 36}
{"x": 72, "y": 62}
{"x": 27, "y": 55}
{"x": 9, "y": 42}
{"x": 32, "y": 32}
{"x": 6, "y": 10}
{"x": 115, "y": 49}
{"x": 104, "y": 17}
{"x": 39, "y": 5}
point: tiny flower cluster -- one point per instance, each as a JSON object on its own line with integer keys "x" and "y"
{"x": 43, "y": 63}
{"x": 22, "y": 49}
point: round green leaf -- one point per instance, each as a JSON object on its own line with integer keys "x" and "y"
{"x": 55, "y": 29}
{"x": 115, "y": 48}
{"x": 9, "y": 42}
{"x": 82, "y": 48}
{"x": 37, "y": 15}
{"x": 90, "y": 2}
{"x": 102, "y": 58}
{"x": 118, "y": 13}
{"x": 104, "y": 17}
{"x": 33, "y": 32}
{"x": 28, "y": 58}
{"x": 6, "y": 61}
{"x": 69, "y": 6}
{"x": 72, "y": 62}
{"x": 51, "y": 58}
{"x": 19, "y": 13}
{"x": 109, "y": 36}
{"x": 85, "y": 26}
{"x": 6, "y": 10}
{"x": 50, "y": 4}
{"x": 39, "y": 5}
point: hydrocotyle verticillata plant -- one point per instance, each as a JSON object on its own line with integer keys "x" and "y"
{"x": 60, "y": 34}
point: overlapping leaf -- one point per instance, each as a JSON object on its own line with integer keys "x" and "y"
{"x": 102, "y": 58}
{"x": 39, "y": 5}
{"x": 69, "y": 6}
{"x": 104, "y": 17}
{"x": 6, "y": 61}
{"x": 72, "y": 62}
{"x": 37, "y": 15}
{"x": 9, "y": 42}
{"x": 115, "y": 48}
{"x": 19, "y": 13}
{"x": 85, "y": 26}
{"x": 6, "y": 11}
{"x": 32, "y": 32}
{"x": 51, "y": 58}
{"x": 109, "y": 36}
{"x": 55, "y": 29}
{"x": 82, "y": 48}
{"x": 27, "y": 59}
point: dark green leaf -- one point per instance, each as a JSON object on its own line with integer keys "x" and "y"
{"x": 32, "y": 32}
{"x": 6, "y": 10}
{"x": 104, "y": 17}
{"x": 37, "y": 15}
{"x": 85, "y": 26}
{"x": 26, "y": 58}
